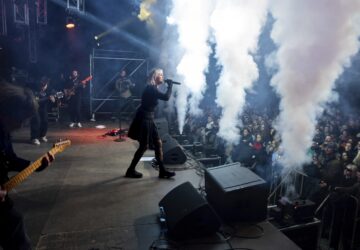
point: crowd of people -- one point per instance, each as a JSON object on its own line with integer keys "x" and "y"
{"x": 335, "y": 152}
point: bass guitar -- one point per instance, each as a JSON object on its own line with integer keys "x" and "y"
{"x": 21, "y": 176}
{"x": 70, "y": 92}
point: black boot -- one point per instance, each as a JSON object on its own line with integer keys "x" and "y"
{"x": 163, "y": 174}
{"x": 132, "y": 173}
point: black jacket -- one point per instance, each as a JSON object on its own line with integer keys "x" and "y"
{"x": 8, "y": 161}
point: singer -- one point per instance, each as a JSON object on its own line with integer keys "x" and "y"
{"x": 143, "y": 128}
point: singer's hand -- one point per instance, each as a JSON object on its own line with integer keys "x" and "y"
{"x": 169, "y": 81}
{"x": 52, "y": 98}
{"x": 46, "y": 161}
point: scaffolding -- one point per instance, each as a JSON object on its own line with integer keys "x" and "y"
{"x": 21, "y": 11}
{"x": 3, "y": 25}
{"x": 105, "y": 67}
{"x": 29, "y": 13}
{"x": 76, "y": 5}
{"x": 41, "y": 11}
{"x": 32, "y": 31}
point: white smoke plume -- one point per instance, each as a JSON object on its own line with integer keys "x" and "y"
{"x": 192, "y": 21}
{"x": 315, "y": 41}
{"x": 237, "y": 26}
{"x": 167, "y": 52}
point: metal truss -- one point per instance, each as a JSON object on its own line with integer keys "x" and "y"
{"x": 30, "y": 13}
{"x": 76, "y": 5}
{"x": 100, "y": 83}
{"x": 41, "y": 11}
{"x": 21, "y": 11}
{"x": 3, "y": 24}
{"x": 32, "y": 32}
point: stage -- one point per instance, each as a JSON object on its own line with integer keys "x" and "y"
{"x": 83, "y": 201}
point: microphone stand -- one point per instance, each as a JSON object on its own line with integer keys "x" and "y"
{"x": 121, "y": 132}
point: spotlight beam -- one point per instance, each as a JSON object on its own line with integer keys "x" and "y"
{"x": 114, "y": 28}
{"x": 91, "y": 18}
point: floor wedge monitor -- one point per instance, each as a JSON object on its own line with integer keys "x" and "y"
{"x": 187, "y": 213}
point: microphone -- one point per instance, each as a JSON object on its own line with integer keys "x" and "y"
{"x": 169, "y": 81}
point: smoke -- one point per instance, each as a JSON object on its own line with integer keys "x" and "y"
{"x": 237, "y": 26}
{"x": 192, "y": 21}
{"x": 183, "y": 47}
{"x": 315, "y": 41}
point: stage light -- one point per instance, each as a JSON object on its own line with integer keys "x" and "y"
{"x": 70, "y": 23}
{"x": 96, "y": 37}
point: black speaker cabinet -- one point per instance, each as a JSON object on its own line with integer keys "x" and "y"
{"x": 173, "y": 152}
{"x": 236, "y": 193}
{"x": 162, "y": 126}
{"x": 187, "y": 213}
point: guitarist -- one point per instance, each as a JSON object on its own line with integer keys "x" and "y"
{"x": 73, "y": 91}
{"x": 39, "y": 122}
{"x": 16, "y": 105}
{"x": 124, "y": 85}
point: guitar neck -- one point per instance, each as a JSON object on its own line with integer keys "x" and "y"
{"x": 21, "y": 176}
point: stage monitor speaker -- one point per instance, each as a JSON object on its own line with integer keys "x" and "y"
{"x": 236, "y": 193}
{"x": 187, "y": 213}
{"x": 162, "y": 126}
{"x": 173, "y": 152}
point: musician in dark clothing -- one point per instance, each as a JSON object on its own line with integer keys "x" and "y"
{"x": 124, "y": 86}
{"x": 16, "y": 105}
{"x": 143, "y": 128}
{"x": 73, "y": 92}
{"x": 39, "y": 122}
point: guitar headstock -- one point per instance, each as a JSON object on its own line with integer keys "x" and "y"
{"x": 61, "y": 145}
{"x": 86, "y": 79}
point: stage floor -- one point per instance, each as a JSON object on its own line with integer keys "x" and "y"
{"x": 82, "y": 201}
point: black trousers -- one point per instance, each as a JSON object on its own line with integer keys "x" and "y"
{"x": 39, "y": 124}
{"x": 120, "y": 106}
{"x": 124, "y": 105}
{"x": 12, "y": 231}
{"x": 75, "y": 108}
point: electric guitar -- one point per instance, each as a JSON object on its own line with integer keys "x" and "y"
{"x": 124, "y": 86}
{"x": 71, "y": 91}
{"x": 57, "y": 95}
{"x": 21, "y": 176}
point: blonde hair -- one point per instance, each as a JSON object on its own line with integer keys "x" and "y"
{"x": 153, "y": 74}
